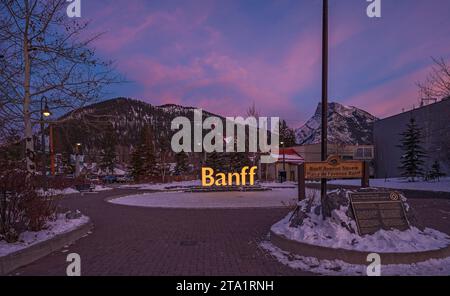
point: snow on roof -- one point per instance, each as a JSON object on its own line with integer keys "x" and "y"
{"x": 289, "y": 155}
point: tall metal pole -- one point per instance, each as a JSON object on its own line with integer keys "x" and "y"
{"x": 284, "y": 162}
{"x": 44, "y": 161}
{"x": 52, "y": 152}
{"x": 324, "y": 146}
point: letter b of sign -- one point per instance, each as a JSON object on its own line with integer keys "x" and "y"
{"x": 74, "y": 268}
{"x": 374, "y": 268}
{"x": 374, "y": 8}
{"x": 74, "y": 8}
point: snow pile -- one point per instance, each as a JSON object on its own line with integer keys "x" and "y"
{"x": 287, "y": 184}
{"x": 54, "y": 192}
{"x": 194, "y": 183}
{"x": 431, "y": 267}
{"x": 278, "y": 198}
{"x": 28, "y": 238}
{"x": 339, "y": 232}
{"x": 401, "y": 183}
{"x": 99, "y": 188}
{"x": 162, "y": 186}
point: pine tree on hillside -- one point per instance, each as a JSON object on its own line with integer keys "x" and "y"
{"x": 143, "y": 158}
{"x": 216, "y": 161}
{"x": 238, "y": 160}
{"x": 411, "y": 162}
{"x": 287, "y": 134}
{"x": 164, "y": 154}
{"x": 436, "y": 172}
{"x": 148, "y": 153}
{"x": 182, "y": 165}
{"x": 108, "y": 154}
{"x": 137, "y": 163}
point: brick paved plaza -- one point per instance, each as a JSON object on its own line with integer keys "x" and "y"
{"x": 149, "y": 241}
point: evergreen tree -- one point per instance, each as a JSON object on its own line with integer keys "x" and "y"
{"x": 237, "y": 160}
{"x": 137, "y": 163}
{"x": 411, "y": 162}
{"x": 143, "y": 158}
{"x": 148, "y": 153}
{"x": 108, "y": 154}
{"x": 287, "y": 134}
{"x": 216, "y": 161}
{"x": 164, "y": 153}
{"x": 436, "y": 172}
{"x": 11, "y": 152}
{"x": 182, "y": 165}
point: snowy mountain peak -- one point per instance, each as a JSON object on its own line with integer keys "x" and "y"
{"x": 346, "y": 125}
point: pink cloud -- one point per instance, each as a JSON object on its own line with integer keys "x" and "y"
{"x": 392, "y": 97}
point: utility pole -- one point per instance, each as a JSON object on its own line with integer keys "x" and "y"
{"x": 324, "y": 142}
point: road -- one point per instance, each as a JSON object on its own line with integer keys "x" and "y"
{"x": 149, "y": 241}
{"x": 144, "y": 241}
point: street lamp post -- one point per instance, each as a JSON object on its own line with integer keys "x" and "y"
{"x": 324, "y": 136}
{"x": 45, "y": 112}
{"x": 77, "y": 160}
{"x": 284, "y": 163}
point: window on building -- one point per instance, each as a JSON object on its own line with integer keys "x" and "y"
{"x": 364, "y": 153}
{"x": 368, "y": 152}
{"x": 359, "y": 153}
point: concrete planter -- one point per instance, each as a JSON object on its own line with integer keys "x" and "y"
{"x": 28, "y": 255}
{"x": 353, "y": 257}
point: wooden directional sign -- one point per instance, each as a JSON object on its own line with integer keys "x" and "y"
{"x": 334, "y": 168}
{"x": 378, "y": 210}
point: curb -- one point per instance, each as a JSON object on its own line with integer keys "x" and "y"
{"x": 28, "y": 255}
{"x": 354, "y": 257}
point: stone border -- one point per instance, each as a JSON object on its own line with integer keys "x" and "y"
{"x": 353, "y": 257}
{"x": 34, "y": 252}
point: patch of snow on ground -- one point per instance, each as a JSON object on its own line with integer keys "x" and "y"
{"x": 99, "y": 188}
{"x": 161, "y": 186}
{"x": 432, "y": 267}
{"x": 327, "y": 233}
{"x": 287, "y": 184}
{"x": 28, "y": 238}
{"x": 186, "y": 184}
{"x": 334, "y": 232}
{"x": 176, "y": 199}
{"x": 53, "y": 192}
{"x": 400, "y": 183}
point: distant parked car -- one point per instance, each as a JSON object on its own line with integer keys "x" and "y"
{"x": 124, "y": 179}
{"x": 110, "y": 179}
{"x": 94, "y": 179}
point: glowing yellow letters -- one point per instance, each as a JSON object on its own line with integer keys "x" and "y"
{"x": 222, "y": 179}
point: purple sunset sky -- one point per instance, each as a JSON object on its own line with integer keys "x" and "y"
{"x": 223, "y": 55}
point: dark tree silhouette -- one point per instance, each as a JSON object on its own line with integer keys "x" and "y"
{"x": 411, "y": 162}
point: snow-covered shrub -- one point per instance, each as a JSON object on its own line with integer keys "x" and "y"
{"x": 22, "y": 207}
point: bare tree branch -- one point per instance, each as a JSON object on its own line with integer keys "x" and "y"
{"x": 45, "y": 53}
{"x": 437, "y": 84}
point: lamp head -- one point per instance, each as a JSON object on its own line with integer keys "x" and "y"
{"x": 46, "y": 111}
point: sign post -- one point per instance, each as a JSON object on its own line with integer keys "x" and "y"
{"x": 332, "y": 168}
{"x": 301, "y": 182}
